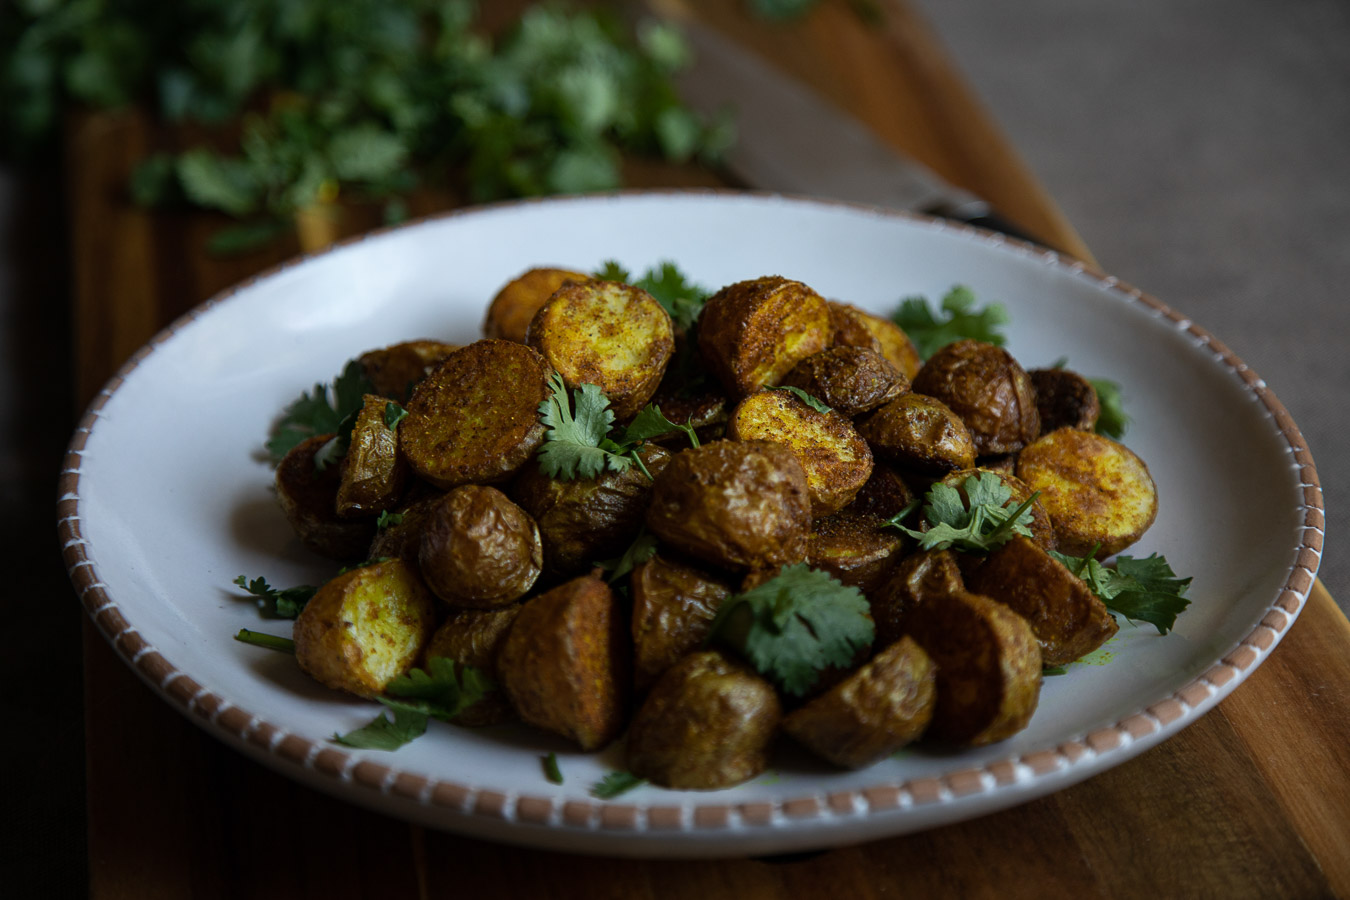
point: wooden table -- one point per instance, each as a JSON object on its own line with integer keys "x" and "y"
{"x": 1253, "y": 800}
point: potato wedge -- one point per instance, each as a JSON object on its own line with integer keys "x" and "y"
{"x": 738, "y": 505}
{"x": 835, "y": 458}
{"x": 752, "y": 333}
{"x": 474, "y": 637}
{"x": 914, "y": 579}
{"x": 873, "y": 712}
{"x": 372, "y": 475}
{"x": 365, "y": 627}
{"x": 920, "y": 433}
{"x": 608, "y": 334}
{"x": 510, "y": 312}
{"x": 673, "y": 606}
{"x": 854, "y": 327}
{"x": 475, "y": 418}
{"x": 855, "y": 548}
{"x": 988, "y": 389}
{"x": 396, "y": 369}
{"x": 478, "y": 549}
{"x": 706, "y": 724}
{"x": 1097, "y": 491}
{"x": 851, "y": 380}
{"x": 566, "y": 662}
{"x": 308, "y": 498}
{"x": 1065, "y": 399}
{"x": 884, "y": 495}
{"x": 1069, "y": 620}
{"x": 401, "y": 535}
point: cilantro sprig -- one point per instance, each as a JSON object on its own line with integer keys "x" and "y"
{"x": 639, "y": 551}
{"x": 277, "y": 604}
{"x": 980, "y": 522}
{"x": 803, "y": 396}
{"x": 616, "y": 783}
{"x": 678, "y": 296}
{"x": 958, "y": 319}
{"x": 441, "y": 691}
{"x": 1141, "y": 590}
{"x": 327, "y": 410}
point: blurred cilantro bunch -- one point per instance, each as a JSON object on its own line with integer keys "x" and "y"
{"x": 367, "y": 98}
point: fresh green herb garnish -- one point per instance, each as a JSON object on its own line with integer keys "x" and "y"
{"x": 441, "y": 691}
{"x": 388, "y": 519}
{"x": 270, "y": 641}
{"x": 804, "y": 397}
{"x": 551, "y": 770}
{"x": 277, "y": 604}
{"x": 642, "y": 549}
{"x": 383, "y": 733}
{"x": 979, "y": 523}
{"x": 393, "y": 414}
{"x": 794, "y": 625}
{"x": 1141, "y": 590}
{"x": 1112, "y": 420}
{"x": 651, "y": 423}
{"x": 325, "y": 411}
{"x": 1053, "y": 670}
{"x": 930, "y": 333}
{"x": 680, "y": 297}
{"x": 614, "y": 784}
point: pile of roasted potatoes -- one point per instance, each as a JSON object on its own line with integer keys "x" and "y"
{"x": 482, "y": 557}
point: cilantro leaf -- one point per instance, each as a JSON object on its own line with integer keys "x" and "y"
{"x": 794, "y": 625}
{"x": 277, "y": 604}
{"x": 383, "y": 733}
{"x": 577, "y": 444}
{"x": 388, "y": 520}
{"x": 551, "y": 770}
{"x": 393, "y": 414}
{"x": 1112, "y": 421}
{"x": 679, "y": 297}
{"x": 650, "y": 423}
{"x": 930, "y": 333}
{"x": 803, "y": 396}
{"x": 616, "y": 783}
{"x": 442, "y": 690}
{"x": 610, "y": 270}
{"x": 642, "y": 549}
{"x": 322, "y": 412}
{"x": 978, "y": 523}
{"x": 1142, "y": 590}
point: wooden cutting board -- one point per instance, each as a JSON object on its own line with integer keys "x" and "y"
{"x": 1251, "y": 801}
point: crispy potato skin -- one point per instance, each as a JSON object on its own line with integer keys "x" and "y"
{"x": 752, "y": 333}
{"x": 1042, "y": 526}
{"x": 920, "y": 433}
{"x": 365, "y": 627}
{"x": 372, "y": 474}
{"x": 873, "y": 712}
{"x": 854, "y": 548}
{"x": 851, "y": 380}
{"x": 1065, "y": 399}
{"x": 308, "y": 499}
{"x": 608, "y": 334}
{"x": 474, "y": 637}
{"x": 988, "y": 666}
{"x": 854, "y": 327}
{"x": 706, "y": 724}
{"x": 510, "y": 312}
{"x": 673, "y": 607}
{"x": 835, "y": 458}
{"x": 736, "y": 504}
{"x": 928, "y": 575}
{"x": 1097, "y": 491}
{"x": 475, "y": 418}
{"x": 587, "y": 519}
{"x": 478, "y": 549}
{"x": 988, "y": 389}
{"x": 396, "y": 369}
{"x": 565, "y": 664}
{"x": 1069, "y": 620}
{"x": 404, "y": 539}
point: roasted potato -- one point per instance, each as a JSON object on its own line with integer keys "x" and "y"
{"x": 736, "y": 504}
{"x": 928, "y": 575}
{"x": 1042, "y": 526}
{"x": 365, "y": 627}
{"x": 835, "y": 458}
{"x": 308, "y": 498}
{"x": 395, "y": 370}
{"x": 852, "y": 327}
{"x": 372, "y": 475}
{"x": 1098, "y": 492}
{"x": 920, "y": 433}
{"x": 586, "y": 520}
{"x": 873, "y": 712}
{"x": 988, "y": 389}
{"x": 608, "y": 334}
{"x": 478, "y": 549}
{"x": 566, "y": 662}
{"x": 673, "y": 606}
{"x": 752, "y": 333}
{"x": 401, "y": 535}
{"x": 851, "y": 380}
{"x": 706, "y": 724}
{"x": 474, "y": 637}
{"x": 475, "y": 418}
{"x": 510, "y": 312}
{"x": 1065, "y": 399}
{"x": 855, "y": 548}
{"x": 1069, "y": 620}
{"x": 884, "y": 495}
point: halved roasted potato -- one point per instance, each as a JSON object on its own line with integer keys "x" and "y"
{"x": 988, "y": 389}
{"x": 478, "y": 549}
{"x": 928, "y": 575}
{"x": 851, "y": 380}
{"x": 752, "y": 333}
{"x": 372, "y": 474}
{"x": 918, "y": 432}
{"x": 855, "y": 548}
{"x": 308, "y": 498}
{"x": 673, "y": 606}
{"x": 395, "y": 370}
{"x": 854, "y": 327}
{"x": 510, "y": 312}
{"x": 401, "y": 534}
{"x": 474, "y": 637}
{"x": 1065, "y": 399}
{"x": 365, "y": 627}
{"x": 1097, "y": 491}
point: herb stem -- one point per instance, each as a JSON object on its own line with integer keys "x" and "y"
{"x": 270, "y": 641}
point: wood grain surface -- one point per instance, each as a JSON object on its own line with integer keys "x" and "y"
{"x": 1253, "y": 800}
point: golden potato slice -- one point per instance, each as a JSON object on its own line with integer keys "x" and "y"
{"x": 855, "y": 548}
{"x": 920, "y": 433}
{"x": 565, "y": 664}
{"x": 988, "y": 389}
{"x": 478, "y": 549}
{"x": 365, "y": 627}
{"x": 1069, "y": 620}
{"x": 706, "y": 724}
{"x": 673, "y": 607}
{"x": 396, "y": 369}
{"x": 836, "y": 459}
{"x": 988, "y": 666}
{"x": 914, "y": 579}
{"x": 474, "y": 637}
{"x": 1097, "y": 491}
{"x": 752, "y": 333}
{"x": 873, "y": 712}
{"x": 735, "y": 504}
{"x": 586, "y": 520}
{"x": 851, "y": 380}
{"x": 372, "y": 474}
{"x": 308, "y": 498}
{"x": 1042, "y": 526}
{"x": 510, "y": 312}
{"x": 608, "y": 334}
{"x": 855, "y": 328}
{"x": 475, "y": 418}
{"x": 1065, "y": 399}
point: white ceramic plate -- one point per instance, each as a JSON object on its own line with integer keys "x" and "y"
{"x": 165, "y": 500}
